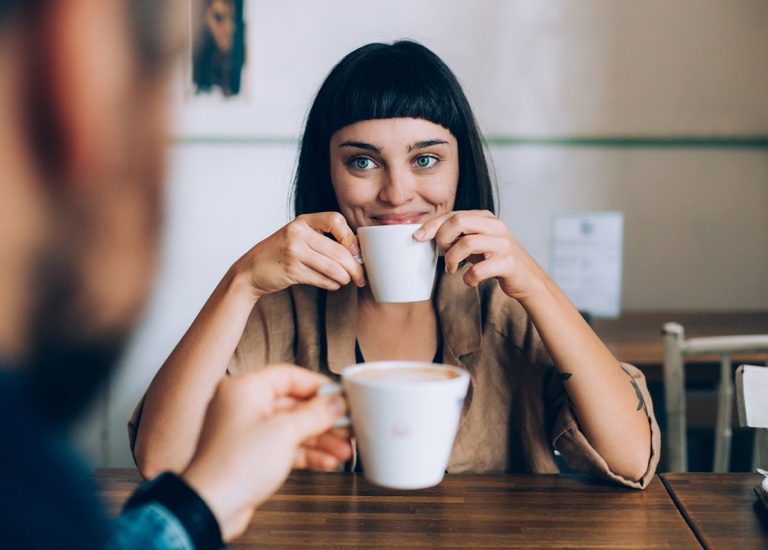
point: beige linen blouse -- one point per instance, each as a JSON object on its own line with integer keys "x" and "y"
{"x": 517, "y": 411}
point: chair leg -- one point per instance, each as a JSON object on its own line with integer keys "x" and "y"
{"x": 760, "y": 449}
{"x": 676, "y": 441}
{"x": 724, "y": 431}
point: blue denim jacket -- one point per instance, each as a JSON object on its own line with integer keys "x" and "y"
{"x": 46, "y": 499}
{"x": 148, "y": 527}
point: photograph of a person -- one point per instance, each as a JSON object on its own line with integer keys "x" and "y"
{"x": 219, "y": 54}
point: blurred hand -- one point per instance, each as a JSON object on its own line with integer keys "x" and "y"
{"x": 257, "y": 427}
{"x": 483, "y": 240}
{"x": 302, "y": 253}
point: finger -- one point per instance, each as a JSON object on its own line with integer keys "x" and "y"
{"x": 301, "y": 262}
{"x": 428, "y": 231}
{"x": 320, "y": 256}
{"x": 333, "y": 260}
{"x": 315, "y": 416}
{"x": 335, "y": 224}
{"x": 314, "y": 459}
{"x": 279, "y": 381}
{"x": 473, "y": 247}
{"x": 466, "y": 222}
{"x": 333, "y": 444}
{"x": 487, "y": 269}
{"x": 471, "y": 236}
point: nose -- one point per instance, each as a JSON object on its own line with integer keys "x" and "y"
{"x": 398, "y": 187}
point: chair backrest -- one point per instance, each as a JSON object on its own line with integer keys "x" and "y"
{"x": 676, "y": 349}
{"x": 752, "y": 403}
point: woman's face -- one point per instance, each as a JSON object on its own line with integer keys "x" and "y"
{"x": 394, "y": 170}
{"x": 220, "y": 18}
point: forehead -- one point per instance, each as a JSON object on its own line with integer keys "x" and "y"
{"x": 392, "y": 132}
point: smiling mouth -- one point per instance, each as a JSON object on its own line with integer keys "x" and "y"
{"x": 396, "y": 219}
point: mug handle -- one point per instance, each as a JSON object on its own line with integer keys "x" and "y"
{"x": 331, "y": 388}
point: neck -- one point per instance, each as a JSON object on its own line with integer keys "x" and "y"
{"x": 403, "y": 310}
{"x": 396, "y": 331}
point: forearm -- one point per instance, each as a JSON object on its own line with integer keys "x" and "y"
{"x": 609, "y": 407}
{"x": 177, "y": 398}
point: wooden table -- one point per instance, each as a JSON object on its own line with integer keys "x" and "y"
{"x": 722, "y": 509}
{"x": 334, "y": 510}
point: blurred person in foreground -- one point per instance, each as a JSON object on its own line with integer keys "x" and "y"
{"x": 83, "y": 85}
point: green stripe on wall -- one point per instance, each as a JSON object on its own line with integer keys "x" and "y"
{"x": 693, "y": 142}
{"x": 746, "y": 142}
{"x": 234, "y": 140}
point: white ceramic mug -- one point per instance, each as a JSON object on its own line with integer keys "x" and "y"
{"x": 405, "y": 415}
{"x": 398, "y": 267}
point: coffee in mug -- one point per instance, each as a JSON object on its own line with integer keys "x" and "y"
{"x": 405, "y": 374}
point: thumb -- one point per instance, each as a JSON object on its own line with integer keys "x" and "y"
{"x": 316, "y": 416}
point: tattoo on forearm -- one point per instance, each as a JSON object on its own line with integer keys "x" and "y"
{"x": 565, "y": 376}
{"x": 640, "y": 398}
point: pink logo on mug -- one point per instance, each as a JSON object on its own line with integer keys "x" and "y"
{"x": 401, "y": 429}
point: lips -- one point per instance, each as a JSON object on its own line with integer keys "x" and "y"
{"x": 396, "y": 219}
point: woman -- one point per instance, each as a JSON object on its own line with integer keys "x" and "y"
{"x": 390, "y": 138}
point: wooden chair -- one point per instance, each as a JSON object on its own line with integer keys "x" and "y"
{"x": 752, "y": 404}
{"x": 676, "y": 348}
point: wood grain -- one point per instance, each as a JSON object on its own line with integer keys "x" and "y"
{"x": 722, "y": 509}
{"x": 335, "y": 510}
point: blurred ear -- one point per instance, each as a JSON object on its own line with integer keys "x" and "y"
{"x": 87, "y": 62}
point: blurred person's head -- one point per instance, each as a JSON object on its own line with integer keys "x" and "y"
{"x": 83, "y": 89}
{"x": 387, "y": 81}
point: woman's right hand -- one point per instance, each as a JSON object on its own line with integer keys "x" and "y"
{"x": 303, "y": 253}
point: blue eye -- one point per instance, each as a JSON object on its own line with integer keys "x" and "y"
{"x": 425, "y": 161}
{"x": 362, "y": 163}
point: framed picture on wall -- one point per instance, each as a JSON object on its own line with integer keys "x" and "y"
{"x": 214, "y": 90}
{"x": 219, "y": 50}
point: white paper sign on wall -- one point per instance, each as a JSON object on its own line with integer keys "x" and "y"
{"x": 586, "y": 260}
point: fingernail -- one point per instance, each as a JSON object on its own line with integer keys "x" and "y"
{"x": 329, "y": 388}
{"x": 337, "y": 404}
{"x": 354, "y": 249}
{"x": 419, "y": 234}
{"x": 361, "y": 282}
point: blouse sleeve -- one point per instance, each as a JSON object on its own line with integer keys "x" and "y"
{"x": 570, "y": 441}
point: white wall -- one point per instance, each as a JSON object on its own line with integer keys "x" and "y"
{"x": 682, "y": 79}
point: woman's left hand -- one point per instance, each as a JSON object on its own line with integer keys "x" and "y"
{"x": 604, "y": 401}
{"x": 482, "y": 239}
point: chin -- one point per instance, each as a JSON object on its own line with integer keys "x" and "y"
{"x": 69, "y": 358}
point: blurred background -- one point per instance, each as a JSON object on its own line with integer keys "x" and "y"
{"x": 656, "y": 109}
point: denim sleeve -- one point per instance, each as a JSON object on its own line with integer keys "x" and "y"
{"x": 148, "y": 527}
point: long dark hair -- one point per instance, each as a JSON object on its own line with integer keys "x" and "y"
{"x": 399, "y": 80}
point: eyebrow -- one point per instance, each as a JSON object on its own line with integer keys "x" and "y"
{"x": 427, "y": 143}
{"x": 361, "y": 145}
{"x": 417, "y": 145}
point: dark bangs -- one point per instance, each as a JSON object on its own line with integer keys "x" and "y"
{"x": 391, "y": 82}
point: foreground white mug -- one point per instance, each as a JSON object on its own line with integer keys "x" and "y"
{"x": 405, "y": 415}
{"x": 398, "y": 267}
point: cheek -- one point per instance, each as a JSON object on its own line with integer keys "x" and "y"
{"x": 442, "y": 192}
{"x": 351, "y": 192}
